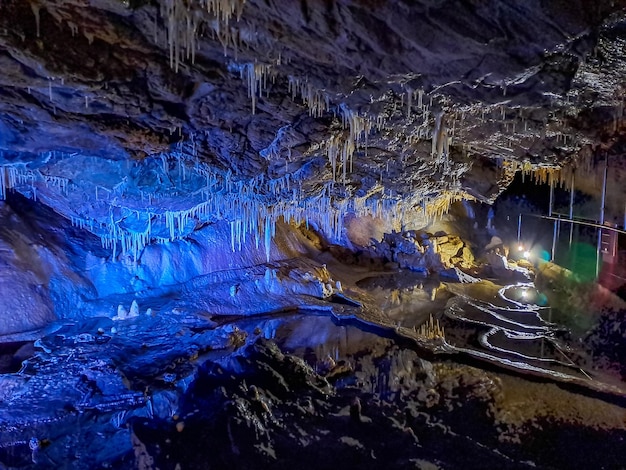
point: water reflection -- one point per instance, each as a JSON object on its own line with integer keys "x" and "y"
{"x": 407, "y": 299}
{"x": 525, "y": 295}
{"x": 103, "y": 374}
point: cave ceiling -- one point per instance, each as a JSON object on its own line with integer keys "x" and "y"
{"x": 142, "y": 120}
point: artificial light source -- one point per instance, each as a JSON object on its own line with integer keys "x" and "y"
{"x": 526, "y": 254}
{"x": 520, "y": 248}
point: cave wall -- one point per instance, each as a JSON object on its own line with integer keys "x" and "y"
{"x": 175, "y": 130}
{"x": 51, "y": 270}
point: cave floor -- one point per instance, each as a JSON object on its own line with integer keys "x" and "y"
{"x": 431, "y": 366}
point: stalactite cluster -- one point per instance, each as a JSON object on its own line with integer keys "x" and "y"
{"x": 13, "y": 175}
{"x": 409, "y": 117}
{"x": 127, "y": 220}
{"x": 316, "y": 101}
{"x": 184, "y": 19}
{"x": 256, "y": 76}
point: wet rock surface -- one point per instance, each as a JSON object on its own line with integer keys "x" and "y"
{"x": 215, "y": 370}
{"x": 194, "y": 174}
{"x": 279, "y": 392}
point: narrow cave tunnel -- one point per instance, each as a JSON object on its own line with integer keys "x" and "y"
{"x": 319, "y": 234}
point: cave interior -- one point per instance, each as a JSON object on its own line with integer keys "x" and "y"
{"x": 309, "y": 234}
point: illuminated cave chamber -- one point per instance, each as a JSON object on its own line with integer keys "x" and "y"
{"x": 219, "y": 214}
{"x": 573, "y": 216}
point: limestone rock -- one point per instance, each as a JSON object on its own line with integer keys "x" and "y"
{"x": 113, "y": 121}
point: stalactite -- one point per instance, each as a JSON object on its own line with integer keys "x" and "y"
{"x": 73, "y": 28}
{"x": 333, "y": 146}
{"x": 36, "y": 8}
{"x": 255, "y": 76}
{"x": 269, "y": 229}
{"x": 316, "y": 100}
{"x": 184, "y": 19}
{"x": 409, "y": 103}
{"x": 440, "y": 206}
{"x": 11, "y": 176}
{"x": 8, "y": 177}
{"x": 566, "y": 174}
{"x": 544, "y": 175}
{"x": 252, "y": 208}
{"x": 340, "y": 149}
{"x": 541, "y": 174}
{"x": 439, "y": 139}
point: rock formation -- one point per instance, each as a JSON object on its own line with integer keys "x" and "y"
{"x": 141, "y": 121}
{"x": 296, "y": 193}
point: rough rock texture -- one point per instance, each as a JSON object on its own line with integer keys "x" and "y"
{"x": 311, "y": 389}
{"x": 117, "y": 114}
{"x": 37, "y": 280}
{"x": 422, "y": 251}
{"x": 50, "y": 270}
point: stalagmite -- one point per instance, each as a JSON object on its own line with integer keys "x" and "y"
{"x": 431, "y": 329}
{"x": 122, "y": 313}
{"x": 134, "y": 309}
